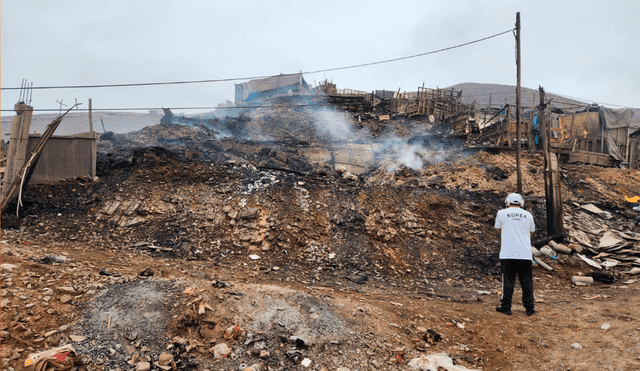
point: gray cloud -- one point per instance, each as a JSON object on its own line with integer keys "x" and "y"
{"x": 583, "y": 49}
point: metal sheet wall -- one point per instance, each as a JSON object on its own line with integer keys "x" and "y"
{"x": 64, "y": 157}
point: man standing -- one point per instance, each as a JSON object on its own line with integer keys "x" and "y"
{"x": 516, "y": 227}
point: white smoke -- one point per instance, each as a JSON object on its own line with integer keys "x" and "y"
{"x": 333, "y": 123}
{"x": 399, "y": 152}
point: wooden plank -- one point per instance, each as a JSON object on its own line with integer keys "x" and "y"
{"x": 590, "y": 158}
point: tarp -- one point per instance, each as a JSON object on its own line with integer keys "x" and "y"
{"x": 620, "y": 118}
{"x": 615, "y": 119}
{"x": 272, "y": 83}
{"x": 617, "y": 125}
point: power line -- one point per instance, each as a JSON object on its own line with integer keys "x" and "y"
{"x": 587, "y": 100}
{"x": 259, "y": 77}
{"x": 185, "y": 108}
{"x": 413, "y": 56}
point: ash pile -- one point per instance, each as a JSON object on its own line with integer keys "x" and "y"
{"x": 289, "y": 182}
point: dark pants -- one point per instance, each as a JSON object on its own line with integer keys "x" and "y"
{"x": 523, "y": 269}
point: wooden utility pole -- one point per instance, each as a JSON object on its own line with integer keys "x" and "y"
{"x": 552, "y": 186}
{"x": 518, "y": 112}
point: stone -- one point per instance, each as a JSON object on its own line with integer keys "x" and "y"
{"x": 6, "y": 267}
{"x": 264, "y": 354}
{"x": 76, "y": 338}
{"x": 249, "y": 213}
{"x": 49, "y": 333}
{"x": 576, "y": 346}
{"x": 306, "y": 362}
{"x": 14, "y": 355}
{"x": 165, "y": 359}
{"x": 67, "y": 289}
{"x": 5, "y": 302}
{"x": 134, "y": 359}
{"x": 179, "y": 340}
{"x": 220, "y": 350}
{"x": 130, "y": 349}
{"x": 143, "y": 366}
{"x": 64, "y": 299}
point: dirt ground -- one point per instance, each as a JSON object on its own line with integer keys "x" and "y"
{"x": 291, "y": 262}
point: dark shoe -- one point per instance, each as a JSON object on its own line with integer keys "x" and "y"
{"x": 502, "y": 310}
{"x": 530, "y": 312}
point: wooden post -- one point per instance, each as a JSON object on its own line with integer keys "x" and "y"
{"x": 603, "y": 131}
{"x": 508, "y": 133}
{"x": 518, "y": 113}
{"x": 18, "y": 143}
{"x": 90, "y": 119}
{"x": 488, "y": 108}
{"x": 530, "y": 137}
{"x": 552, "y": 186}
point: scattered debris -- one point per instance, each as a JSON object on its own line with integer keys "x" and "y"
{"x": 59, "y": 358}
{"x": 434, "y": 362}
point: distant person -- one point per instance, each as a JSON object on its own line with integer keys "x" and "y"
{"x": 516, "y": 227}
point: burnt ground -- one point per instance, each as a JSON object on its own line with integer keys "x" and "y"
{"x": 309, "y": 262}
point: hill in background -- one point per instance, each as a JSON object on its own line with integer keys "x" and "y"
{"x": 500, "y": 95}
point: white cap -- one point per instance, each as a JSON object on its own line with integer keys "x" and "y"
{"x": 514, "y": 199}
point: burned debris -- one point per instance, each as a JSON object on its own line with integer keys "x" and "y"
{"x": 315, "y": 227}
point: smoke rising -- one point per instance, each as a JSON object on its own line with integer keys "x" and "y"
{"x": 400, "y": 152}
{"x": 405, "y": 144}
{"x": 333, "y": 123}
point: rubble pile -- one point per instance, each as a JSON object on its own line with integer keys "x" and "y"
{"x": 194, "y": 251}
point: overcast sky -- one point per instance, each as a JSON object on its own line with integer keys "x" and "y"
{"x": 583, "y": 49}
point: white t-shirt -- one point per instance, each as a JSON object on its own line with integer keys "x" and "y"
{"x": 515, "y": 225}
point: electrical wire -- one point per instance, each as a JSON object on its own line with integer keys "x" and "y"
{"x": 587, "y": 100}
{"x": 188, "y": 108}
{"x": 258, "y": 77}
